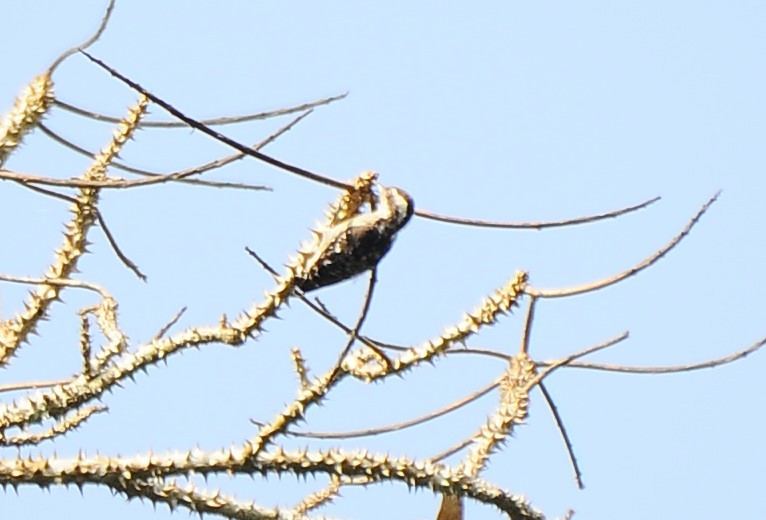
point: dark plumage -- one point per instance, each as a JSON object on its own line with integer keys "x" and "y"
{"x": 359, "y": 243}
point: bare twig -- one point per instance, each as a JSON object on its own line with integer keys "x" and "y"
{"x": 355, "y": 332}
{"x": 554, "y": 365}
{"x": 527, "y": 331}
{"x": 31, "y": 385}
{"x": 671, "y": 369}
{"x": 567, "y": 441}
{"x": 600, "y": 284}
{"x": 318, "y": 306}
{"x": 329, "y": 181}
{"x": 178, "y": 176}
{"x": 28, "y": 179}
{"x": 542, "y": 224}
{"x": 87, "y": 43}
{"x": 369, "y": 432}
{"x": 102, "y": 222}
{"x": 146, "y": 173}
{"x": 323, "y": 179}
{"x": 572, "y": 357}
{"x": 169, "y": 324}
{"x": 116, "y": 248}
{"x": 62, "y": 282}
{"x": 44, "y": 191}
{"x": 225, "y": 120}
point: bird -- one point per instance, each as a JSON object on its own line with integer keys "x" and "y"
{"x": 357, "y": 244}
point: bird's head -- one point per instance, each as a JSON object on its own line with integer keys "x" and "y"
{"x": 397, "y": 203}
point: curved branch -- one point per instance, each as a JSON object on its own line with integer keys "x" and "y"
{"x": 146, "y": 173}
{"x": 544, "y": 224}
{"x": 60, "y": 282}
{"x": 600, "y": 284}
{"x": 329, "y": 181}
{"x": 368, "y": 432}
{"x": 671, "y": 369}
{"x": 323, "y": 179}
{"x": 28, "y": 179}
{"x": 87, "y": 43}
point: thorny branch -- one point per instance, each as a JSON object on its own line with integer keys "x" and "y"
{"x": 365, "y": 212}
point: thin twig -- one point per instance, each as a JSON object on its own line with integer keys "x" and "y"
{"x": 27, "y": 179}
{"x": 329, "y": 181}
{"x": 368, "y": 432}
{"x": 56, "y": 281}
{"x": 139, "y": 171}
{"x": 452, "y": 450}
{"x": 225, "y": 120}
{"x": 169, "y": 324}
{"x": 319, "y": 307}
{"x": 102, "y": 222}
{"x": 543, "y": 224}
{"x": 155, "y": 178}
{"x": 527, "y": 331}
{"x": 87, "y": 43}
{"x": 526, "y": 335}
{"x": 217, "y": 135}
{"x": 600, "y": 284}
{"x": 627, "y": 369}
{"x": 113, "y": 242}
{"x": 572, "y": 357}
{"x": 31, "y": 385}
{"x": 355, "y": 332}
{"x": 43, "y": 191}
{"x": 671, "y": 369}
{"x": 567, "y": 441}
{"x": 536, "y": 381}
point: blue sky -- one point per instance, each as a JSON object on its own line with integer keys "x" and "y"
{"x": 498, "y": 110}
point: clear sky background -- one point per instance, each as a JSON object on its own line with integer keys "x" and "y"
{"x": 499, "y": 110}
